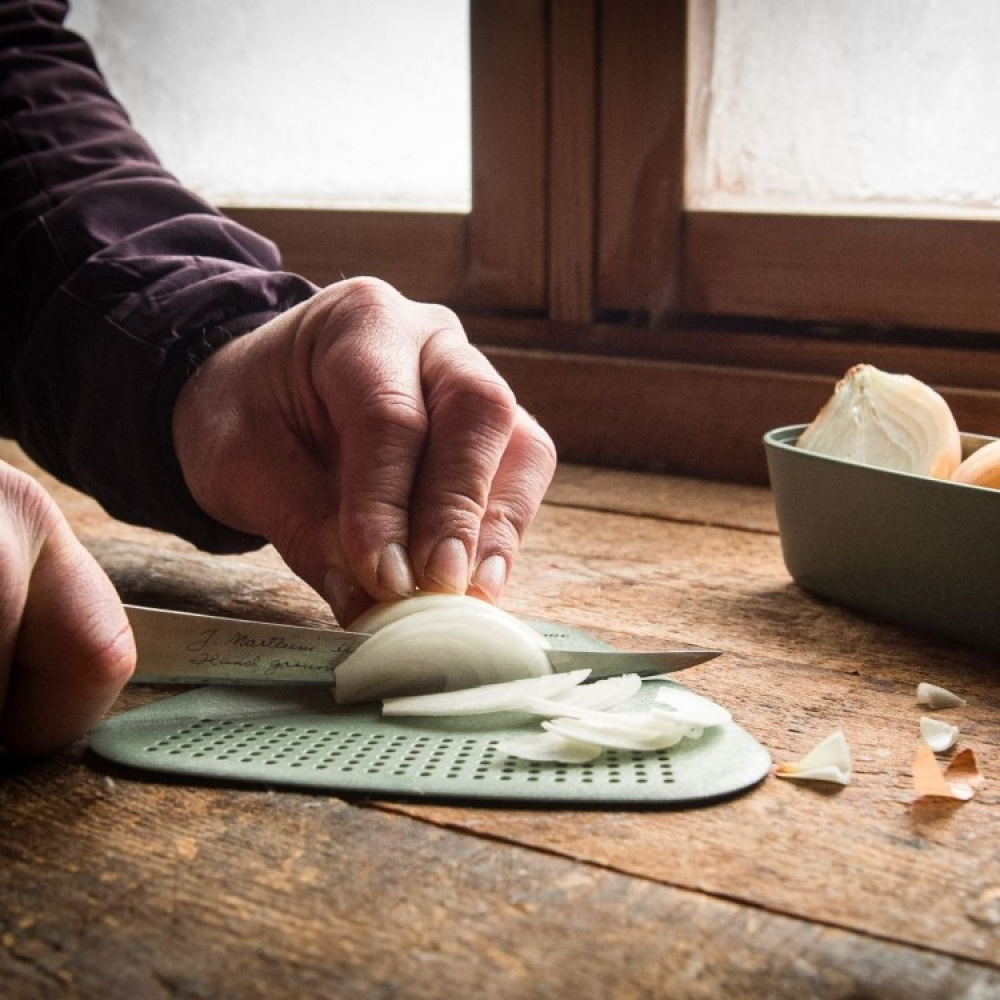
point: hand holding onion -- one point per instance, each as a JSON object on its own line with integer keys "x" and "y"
{"x": 364, "y": 437}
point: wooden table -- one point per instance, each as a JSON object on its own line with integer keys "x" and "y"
{"x": 122, "y": 885}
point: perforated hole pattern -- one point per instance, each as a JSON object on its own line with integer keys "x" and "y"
{"x": 427, "y": 763}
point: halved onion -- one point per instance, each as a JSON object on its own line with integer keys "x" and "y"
{"x": 436, "y": 642}
{"x": 379, "y": 615}
{"x": 889, "y": 421}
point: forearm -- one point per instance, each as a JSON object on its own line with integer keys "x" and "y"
{"x": 115, "y": 282}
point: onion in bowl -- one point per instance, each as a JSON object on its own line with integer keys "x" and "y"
{"x": 888, "y": 421}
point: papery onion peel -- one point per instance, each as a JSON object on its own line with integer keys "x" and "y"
{"x": 961, "y": 778}
{"x": 981, "y": 468}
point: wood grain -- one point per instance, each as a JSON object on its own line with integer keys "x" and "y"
{"x": 422, "y": 253}
{"x": 120, "y": 888}
{"x": 572, "y": 200}
{"x": 891, "y": 272}
{"x": 696, "y": 420}
{"x": 507, "y": 258}
{"x": 119, "y": 884}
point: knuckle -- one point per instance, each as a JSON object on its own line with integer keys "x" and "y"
{"x": 390, "y": 412}
{"x": 28, "y": 506}
{"x": 478, "y": 400}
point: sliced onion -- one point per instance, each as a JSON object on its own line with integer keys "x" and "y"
{"x": 619, "y": 732}
{"x": 687, "y": 707}
{"x": 608, "y": 693}
{"x": 509, "y": 696}
{"x": 599, "y": 696}
{"x": 433, "y": 643}
{"x": 380, "y": 615}
{"x": 549, "y": 748}
{"x": 888, "y": 421}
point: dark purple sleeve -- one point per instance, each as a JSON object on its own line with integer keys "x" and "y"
{"x": 115, "y": 282}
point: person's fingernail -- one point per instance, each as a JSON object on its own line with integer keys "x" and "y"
{"x": 448, "y": 566}
{"x": 490, "y": 577}
{"x": 394, "y": 572}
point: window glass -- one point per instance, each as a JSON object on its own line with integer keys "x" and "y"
{"x": 845, "y": 105}
{"x": 297, "y": 103}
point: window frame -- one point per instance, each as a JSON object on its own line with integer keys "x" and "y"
{"x": 642, "y": 334}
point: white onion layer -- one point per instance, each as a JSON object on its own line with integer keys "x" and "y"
{"x": 509, "y": 696}
{"x": 435, "y": 642}
{"x": 549, "y": 748}
{"x": 889, "y": 421}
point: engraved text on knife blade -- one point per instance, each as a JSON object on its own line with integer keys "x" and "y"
{"x": 269, "y": 655}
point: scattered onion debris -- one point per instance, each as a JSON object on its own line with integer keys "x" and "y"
{"x": 506, "y": 696}
{"x": 937, "y": 697}
{"x": 938, "y": 735}
{"x": 580, "y": 719}
{"x": 829, "y": 761}
{"x": 959, "y": 781}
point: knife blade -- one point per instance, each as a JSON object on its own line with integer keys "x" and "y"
{"x": 180, "y": 647}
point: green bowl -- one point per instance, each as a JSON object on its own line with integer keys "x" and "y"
{"x": 920, "y": 552}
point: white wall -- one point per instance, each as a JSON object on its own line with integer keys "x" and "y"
{"x": 325, "y": 103}
{"x": 851, "y": 104}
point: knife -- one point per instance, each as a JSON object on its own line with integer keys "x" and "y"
{"x": 178, "y": 647}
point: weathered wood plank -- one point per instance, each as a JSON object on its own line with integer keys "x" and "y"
{"x": 864, "y": 859}
{"x": 118, "y": 888}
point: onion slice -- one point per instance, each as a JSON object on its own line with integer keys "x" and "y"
{"x": 438, "y": 642}
{"x": 549, "y": 748}
{"x": 829, "y": 760}
{"x": 627, "y": 731}
{"x": 688, "y": 707}
{"x": 888, "y": 421}
{"x": 508, "y": 696}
